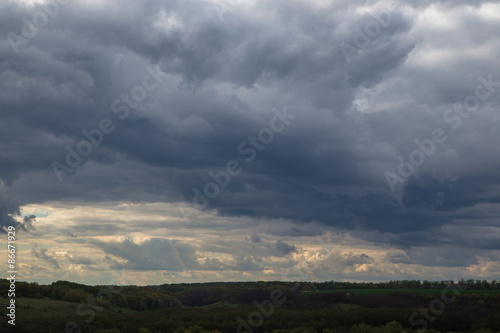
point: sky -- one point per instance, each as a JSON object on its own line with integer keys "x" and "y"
{"x": 151, "y": 142}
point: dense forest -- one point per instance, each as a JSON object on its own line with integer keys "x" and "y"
{"x": 274, "y": 307}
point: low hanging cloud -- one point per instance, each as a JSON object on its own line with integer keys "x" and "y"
{"x": 10, "y": 215}
{"x": 175, "y": 256}
{"x": 254, "y": 238}
{"x": 285, "y": 248}
{"x": 42, "y": 255}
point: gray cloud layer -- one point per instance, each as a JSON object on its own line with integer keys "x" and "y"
{"x": 222, "y": 78}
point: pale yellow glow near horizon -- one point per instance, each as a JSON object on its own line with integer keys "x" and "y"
{"x": 69, "y": 232}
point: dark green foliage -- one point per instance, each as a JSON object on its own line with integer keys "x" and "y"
{"x": 215, "y": 307}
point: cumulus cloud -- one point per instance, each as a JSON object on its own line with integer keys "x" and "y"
{"x": 285, "y": 248}
{"x": 254, "y": 238}
{"x": 42, "y": 254}
{"x": 175, "y": 256}
{"x": 10, "y": 215}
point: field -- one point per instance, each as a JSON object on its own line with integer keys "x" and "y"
{"x": 43, "y": 310}
{"x": 30, "y": 308}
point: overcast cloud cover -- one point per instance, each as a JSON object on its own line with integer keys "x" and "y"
{"x": 311, "y": 105}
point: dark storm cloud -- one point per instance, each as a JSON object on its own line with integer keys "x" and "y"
{"x": 285, "y": 248}
{"x": 10, "y": 215}
{"x": 222, "y": 78}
